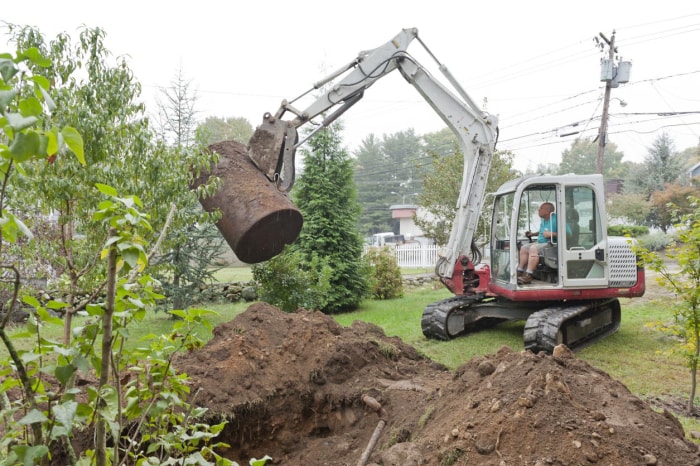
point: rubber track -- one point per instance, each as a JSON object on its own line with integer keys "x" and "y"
{"x": 542, "y": 328}
{"x": 434, "y": 319}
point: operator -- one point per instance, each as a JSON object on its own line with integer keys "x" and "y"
{"x": 529, "y": 253}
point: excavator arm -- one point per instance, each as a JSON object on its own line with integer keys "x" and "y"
{"x": 274, "y": 143}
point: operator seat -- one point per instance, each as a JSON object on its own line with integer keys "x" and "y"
{"x": 572, "y": 228}
{"x": 547, "y": 268}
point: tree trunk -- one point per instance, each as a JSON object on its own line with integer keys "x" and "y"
{"x": 694, "y": 366}
{"x": 101, "y": 427}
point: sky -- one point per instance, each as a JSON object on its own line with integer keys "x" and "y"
{"x": 533, "y": 64}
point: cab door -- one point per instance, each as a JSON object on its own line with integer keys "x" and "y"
{"x": 584, "y": 247}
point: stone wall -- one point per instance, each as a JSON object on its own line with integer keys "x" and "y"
{"x": 245, "y": 291}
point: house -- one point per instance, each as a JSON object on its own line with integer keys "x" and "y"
{"x": 404, "y": 214}
{"x": 694, "y": 170}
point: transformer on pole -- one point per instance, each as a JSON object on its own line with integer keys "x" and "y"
{"x": 613, "y": 72}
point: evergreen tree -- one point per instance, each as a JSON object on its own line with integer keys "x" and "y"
{"x": 661, "y": 165}
{"x": 663, "y": 162}
{"x": 325, "y": 194}
{"x": 402, "y": 152}
{"x": 388, "y": 171}
{"x": 372, "y": 195}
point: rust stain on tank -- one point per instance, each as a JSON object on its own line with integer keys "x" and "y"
{"x": 257, "y": 220}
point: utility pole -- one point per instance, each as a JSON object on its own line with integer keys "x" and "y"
{"x": 613, "y": 74}
{"x": 603, "y": 130}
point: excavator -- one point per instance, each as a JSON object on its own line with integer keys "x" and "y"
{"x": 573, "y": 298}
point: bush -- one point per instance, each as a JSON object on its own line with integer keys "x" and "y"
{"x": 656, "y": 241}
{"x": 386, "y": 280}
{"x": 634, "y": 231}
{"x": 289, "y": 281}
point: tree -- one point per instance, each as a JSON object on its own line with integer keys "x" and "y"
{"x": 177, "y": 117}
{"x": 680, "y": 196}
{"x": 543, "y": 168}
{"x": 149, "y": 399}
{"x": 325, "y": 194}
{"x": 24, "y": 97}
{"x": 581, "y": 157}
{"x": 440, "y": 143}
{"x": 387, "y": 171}
{"x": 684, "y": 281}
{"x": 441, "y": 190}
{"x": 661, "y": 165}
{"x": 372, "y": 192}
{"x": 193, "y": 243}
{"x": 631, "y": 207}
{"x": 215, "y": 129}
{"x": 402, "y": 173}
{"x": 101, "y": 100}
{"x": 662, "y": 162}
{"x": 636, "y": 180}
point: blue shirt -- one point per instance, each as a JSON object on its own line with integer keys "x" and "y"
{"x": 551, "y": 225}
{"x": 548, "y": 224}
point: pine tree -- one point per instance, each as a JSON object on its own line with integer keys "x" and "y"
{"x": 373, "y": 192}
{"x": 326, "y": 196}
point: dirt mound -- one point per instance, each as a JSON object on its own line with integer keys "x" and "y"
{"x": 292, "y": 387}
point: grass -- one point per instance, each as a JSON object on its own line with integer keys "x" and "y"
{"x": 416, "y": 270}
{"x": 401, "y": 318}
{"x": 234, "y": 274}
{"x": 244, "y": 273}
{"x": 154, "y": 323}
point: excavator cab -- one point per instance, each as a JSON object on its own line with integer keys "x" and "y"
{"x": 580, "y": 255}
{"x": 573, "y": 298}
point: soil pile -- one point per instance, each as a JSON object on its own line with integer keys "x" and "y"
{"x": 293, "y": 386}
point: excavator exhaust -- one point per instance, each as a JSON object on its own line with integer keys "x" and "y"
{"x": 258, "y": 219}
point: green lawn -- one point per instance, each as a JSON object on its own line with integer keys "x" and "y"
{"x": 234, "y": 274}
{"x": 244, "y": 274}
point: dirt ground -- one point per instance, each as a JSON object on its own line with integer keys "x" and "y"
{"x": 306, "y": 391}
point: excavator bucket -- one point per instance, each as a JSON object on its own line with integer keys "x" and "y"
{"x": 272, "y": 148}
{"x": 266, "y": 145}
{"x": 257, "y": 219}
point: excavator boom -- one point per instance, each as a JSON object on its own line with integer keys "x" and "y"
{"x": 273, "y": 145}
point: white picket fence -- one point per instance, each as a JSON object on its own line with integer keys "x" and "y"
{"x": 417, "y": 256}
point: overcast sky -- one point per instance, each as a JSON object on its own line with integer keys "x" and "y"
{"x": 535, "y": 64}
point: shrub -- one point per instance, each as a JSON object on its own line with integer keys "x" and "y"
{"x": 656, "y": 241}
{"x": 289, "y": 281}
{"x": 386, "y": 280}
{"x": 634, "y": 231}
